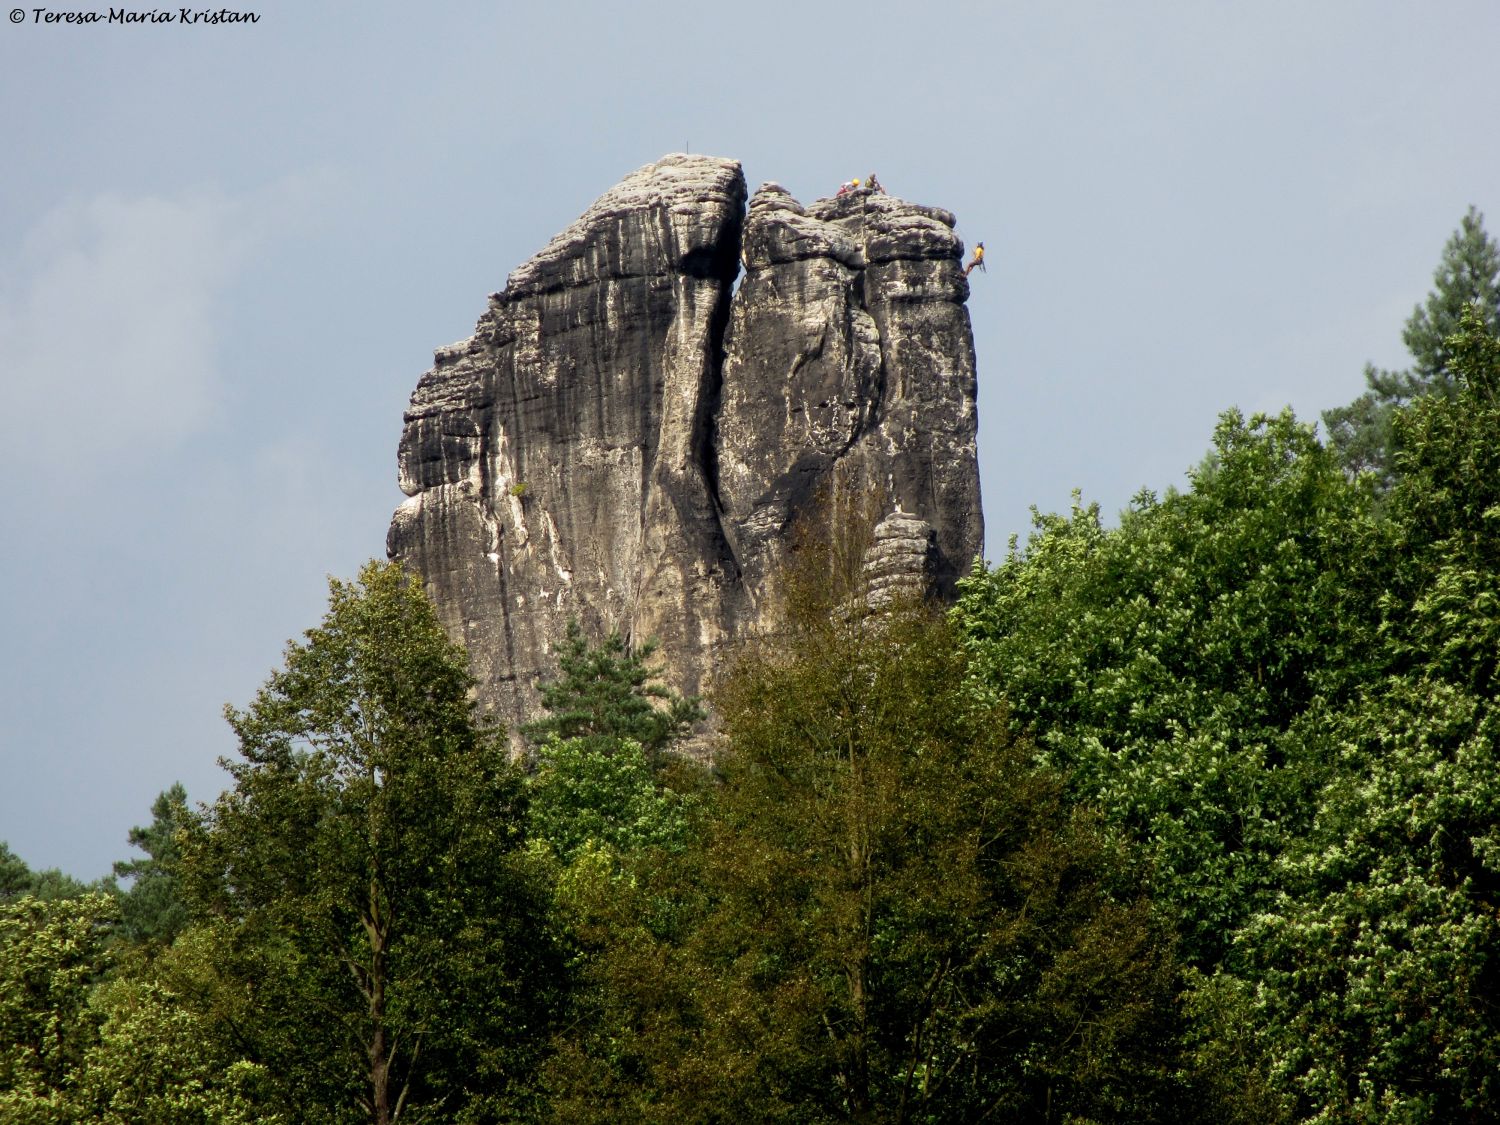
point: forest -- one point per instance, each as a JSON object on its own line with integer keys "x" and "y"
{"x": 1192, "y": 816}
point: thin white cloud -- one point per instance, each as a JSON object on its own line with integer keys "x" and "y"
{"x": 111, "y": 315}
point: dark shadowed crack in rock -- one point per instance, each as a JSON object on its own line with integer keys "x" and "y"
{"x": 622, "y": 442}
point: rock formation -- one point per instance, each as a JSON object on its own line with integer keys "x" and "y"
{"x": 898, "y": 562}
{"x": 629, "y": 440}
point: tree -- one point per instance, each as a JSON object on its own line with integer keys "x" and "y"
{"x": 1176, "y": 667}
{"x": 1378, "y": 963}
{"x": 1468, "y": 274}
{"x": 162, "y": 1057}
{"x": 608, "y": 692}
{"x": 17, "y": 879}
{"x": 380, "y": 942}
{"x": 153, "y": 910}
{"x": 888, "y": 916}
{"x": 52, "y": 954}
{"x": 87, "y": 1034}
{"x": 15, "y": 876}
{"x": 581, "y": 797}
{"x": 600, "y": 779}
{"x": 601, "y": 810}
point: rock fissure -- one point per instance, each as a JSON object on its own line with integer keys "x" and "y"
{"x": 663, "y": 395}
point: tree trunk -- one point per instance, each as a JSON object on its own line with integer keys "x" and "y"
{"x": 858, "y": 969}
{"x": 377, "y": 926}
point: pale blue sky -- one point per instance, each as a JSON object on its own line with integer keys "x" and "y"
{"x": 227, "y": 253}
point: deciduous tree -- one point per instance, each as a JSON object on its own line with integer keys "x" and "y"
{"x": 888, "y": 916}
{"x": 53, "y": 951}
{"x": 363, "y": 874}
{"x": 1176, "y": 667}
{"x": 1378, "y": 963}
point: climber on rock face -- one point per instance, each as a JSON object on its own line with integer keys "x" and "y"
{"x": 874, "y": 185}
{"x": 845, "y": 189}
{"x": 976, "y": 260}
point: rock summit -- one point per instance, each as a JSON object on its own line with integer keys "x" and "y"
{"x": 631, "y": 439}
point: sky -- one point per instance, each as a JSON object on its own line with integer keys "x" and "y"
{"x": 227, "y": 252}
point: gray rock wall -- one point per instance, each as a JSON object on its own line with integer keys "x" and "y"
{"x": 629, "y": 440}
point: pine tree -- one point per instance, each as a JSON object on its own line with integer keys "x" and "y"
{"x": 606, "y": 693}
{"x": 15, "y": 876}
{"x": 1469, "y": 274}
{"x": 153, "y": 909}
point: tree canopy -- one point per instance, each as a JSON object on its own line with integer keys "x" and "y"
{"x": 1171, "y": 666}
{"x": 1192, "y": 818}
{"x": 153, "y": 910}
{"x": 887, "y": 914}
{"x": 383, "y": 944}
{"x": 1287, "y": 693}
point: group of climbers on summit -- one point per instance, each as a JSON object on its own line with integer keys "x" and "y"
{"x": 871, "y": 186}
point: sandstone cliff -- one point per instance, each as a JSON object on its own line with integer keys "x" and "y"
{"x": 628, "y": 439}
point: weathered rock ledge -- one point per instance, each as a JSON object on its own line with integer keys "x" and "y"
{"x": 629, "y": 440}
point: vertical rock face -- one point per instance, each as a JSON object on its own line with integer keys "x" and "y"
{"x": 622, "y": 442}
{"x": 849, "y": 359}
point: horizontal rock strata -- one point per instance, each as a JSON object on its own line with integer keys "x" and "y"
{"x": 898, "y": 563}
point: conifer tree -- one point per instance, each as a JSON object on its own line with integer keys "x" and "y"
{"x": 608, "y": 692}
{"x": 1469, "y": 274}
{"x": 153, "y": 911}
{"x": 15, "y": 876}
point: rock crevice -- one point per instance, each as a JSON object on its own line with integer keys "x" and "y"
{"x": 630, "y": 440}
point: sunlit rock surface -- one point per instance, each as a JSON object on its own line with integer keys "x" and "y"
{"x": 630, "y": 440}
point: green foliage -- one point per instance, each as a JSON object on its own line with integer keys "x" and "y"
{"x": 53, "y": 884}
{"x": 84, "y": 1037}
{"x": 364, "y": 876}
{"x": 1175, "y": 668}
{"x": 1292, "y": 698}
{"x": 162, "y": 1058}
{"x": 152, "y": 1067}
{"x": 1444, "y": 604}
{"x": 15, "y": 876}
{"x": 1378, "y": 963}
{"x": 17, "y": 879}
{"x": 52, "y": 953}
{"x": 1468, "y": 275}
{"x": 606, "y": 693}
{"x": 888, "y": 916}
{"x": 1227, "y": 1054}
{"x": 583, "y": 797}
{"x": 152, "y": 909}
